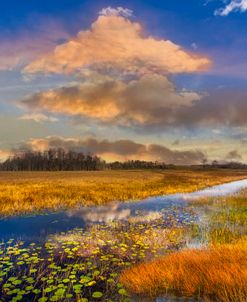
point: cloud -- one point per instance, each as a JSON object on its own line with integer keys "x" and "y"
{"x": 226, "y": 108}
{"x": 118, "y": 11}
{"x": 232, "y": 6}
{"x": 38, "y": 117}
{"x": 176, "y": 142}
{"x": 104, "y": 214}
{"x": 24, "y": 46}
{"x": 149, "y": 103}
{"x": 194, "y": 46}
{"x": 114, "y": 42}
{"x": 119, "y": 150}
{"x": 124, "y": 76}
{"x": 234, "y": 155}
{"x": 151, "y": 100}
{"x": 5, "y": 154}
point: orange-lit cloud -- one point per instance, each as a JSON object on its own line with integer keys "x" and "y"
{"x": 119, "y": 150}
{"x": 149, "y": 100}
{"x": 5, "y": 154}
{"x": 116, "y": 42}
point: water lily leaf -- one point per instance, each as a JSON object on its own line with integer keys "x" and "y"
{"x": 43, "y": 299}
{"x": 122, "y": 292}
{"x": 97, "y": 295}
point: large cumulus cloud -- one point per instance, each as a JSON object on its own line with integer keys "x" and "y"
{"x": 124, "y": 75}
{"x": 147, "y": 101}
{"x": 117, "y": 42}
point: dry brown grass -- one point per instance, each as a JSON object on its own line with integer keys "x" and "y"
{"x": 26, "y": 192}
{"x": 216, "y": 274}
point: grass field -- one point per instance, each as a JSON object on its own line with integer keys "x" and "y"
{"x": 217, "y": 273}
{"x": 27, "y": 192}
{"x": 138, "y": 259}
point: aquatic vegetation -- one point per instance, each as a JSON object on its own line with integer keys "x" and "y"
{"x": 84, "y": 264}
{"x": 214, "y": 274}
{"x": 29, "y": 192}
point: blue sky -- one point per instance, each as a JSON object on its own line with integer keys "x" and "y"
{"x": 203, "y": 108}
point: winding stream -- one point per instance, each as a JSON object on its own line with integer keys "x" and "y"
{"x": 37, "y": 228}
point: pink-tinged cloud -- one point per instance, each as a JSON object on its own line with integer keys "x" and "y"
{"x": 150, "y": 100}
{"x": 116, "y": 42}
{"x": 26, "y": 45}
{"x": 119, "y": 150}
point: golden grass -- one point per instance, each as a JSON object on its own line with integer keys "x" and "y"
{"x": 27, "y": 192}
{"x": 216, "y": 274}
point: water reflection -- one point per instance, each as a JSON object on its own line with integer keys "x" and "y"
{"x": 104, "y": 214}
{"x": 36, "y": 228}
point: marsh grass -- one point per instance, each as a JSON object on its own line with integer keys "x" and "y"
{"x": 226, "y": 218}
{"x": 29, "y": 192}
{"x": 90, "y": 264}
{"x": 215, "y": 273}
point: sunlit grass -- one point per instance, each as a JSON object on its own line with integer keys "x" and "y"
{"x": 215, "y": 274}
{"x": 145, "y": 255}
{"x": 26, "y": 192}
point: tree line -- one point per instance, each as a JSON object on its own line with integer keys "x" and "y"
{"x": 52, "y": 160}
{"x": 62, "y": 160}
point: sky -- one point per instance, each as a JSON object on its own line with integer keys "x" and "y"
{"x": 151, "y": 80}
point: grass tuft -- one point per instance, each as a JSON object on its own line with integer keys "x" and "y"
{"x": 216, "y": 274}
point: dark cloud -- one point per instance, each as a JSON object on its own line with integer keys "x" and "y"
{"x": 234, "y": 155}
{"x": 121, "y": 149}
{"x": 176, "y": 142}
{"x": 219, "y": 108}
{"x": 150, "y": 103}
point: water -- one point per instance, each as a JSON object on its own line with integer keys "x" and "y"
{"x": 37, "y": 228}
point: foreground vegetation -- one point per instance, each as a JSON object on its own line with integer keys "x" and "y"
{"x": 84, "y": 265}
{"x": 139, "y": 259}
{"x": 28, "y": 192}
{"x": 215, "y": 273}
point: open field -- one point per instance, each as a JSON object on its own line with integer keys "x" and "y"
{"x": 215, "y": 273}
{"x": 139, "y": 258}
{"x": 28, "y": 192}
